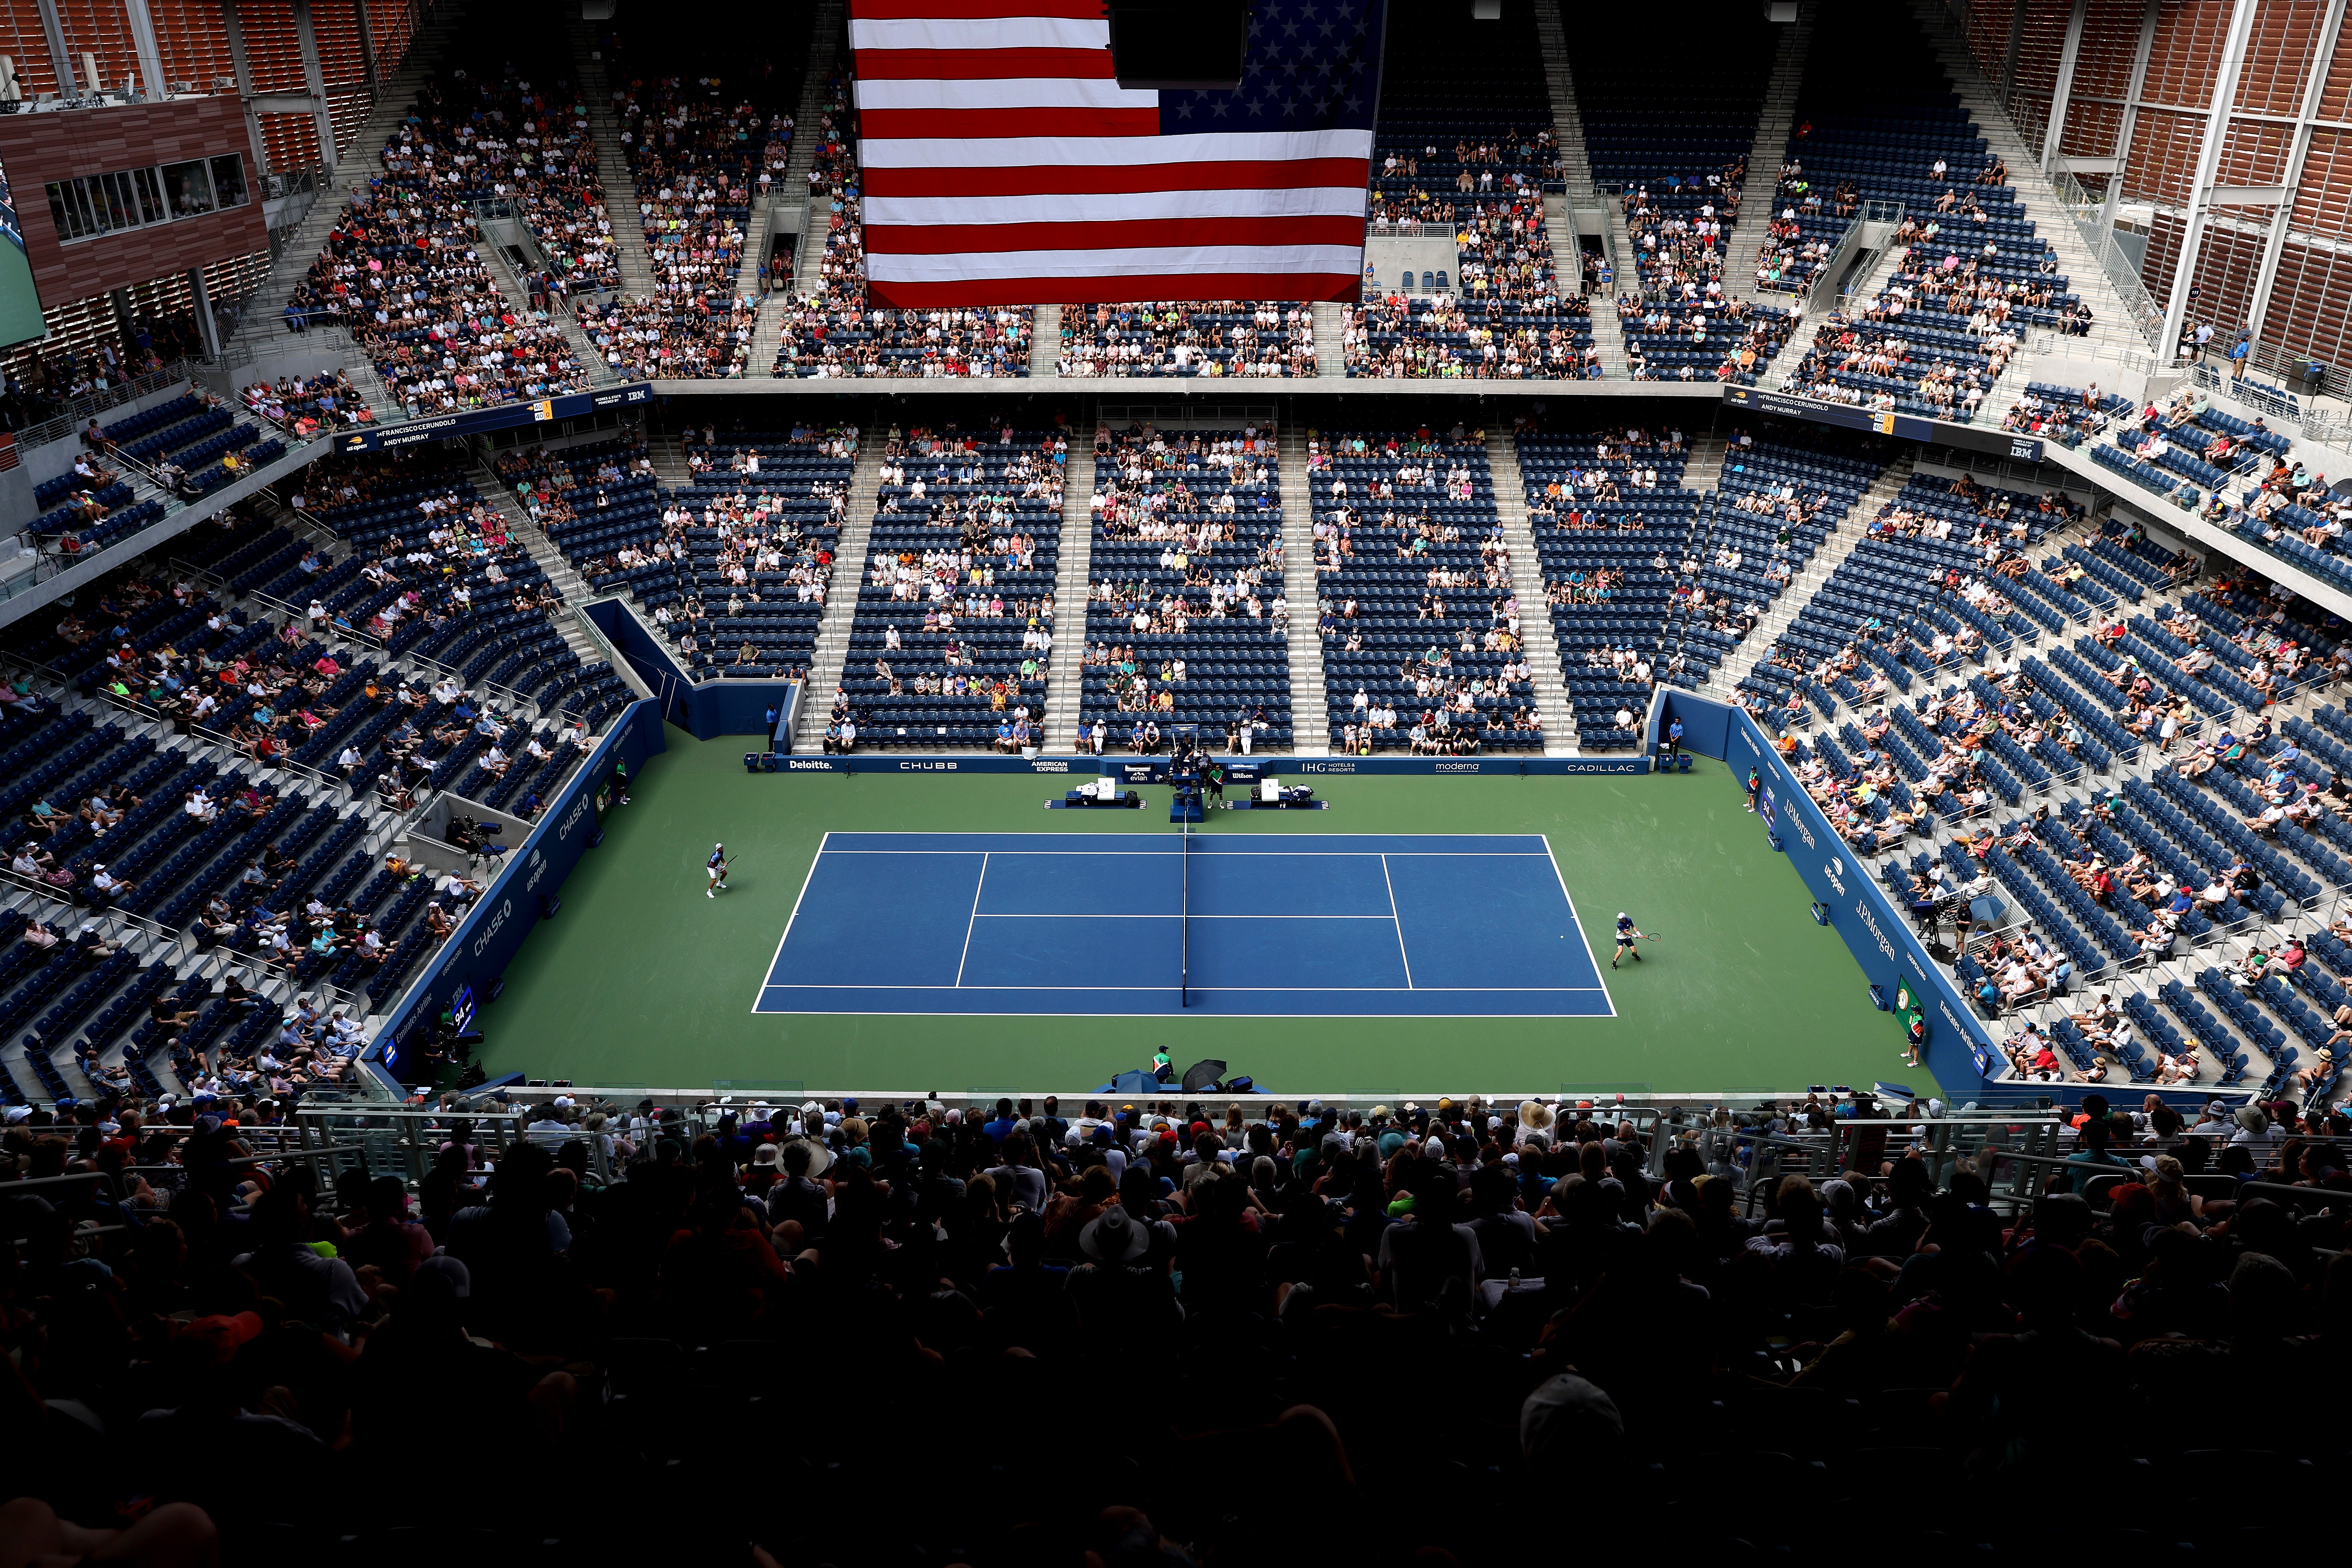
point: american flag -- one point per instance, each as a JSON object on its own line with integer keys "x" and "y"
{"x": 1002, "y": 163}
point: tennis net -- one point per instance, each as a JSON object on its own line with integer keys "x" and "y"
{"x": 1184, "y": 921}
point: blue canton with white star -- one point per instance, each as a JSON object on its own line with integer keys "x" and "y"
{"x": 1312, "y": 65}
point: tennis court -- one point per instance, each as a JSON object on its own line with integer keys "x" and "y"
{"x": 1416, "y": 925}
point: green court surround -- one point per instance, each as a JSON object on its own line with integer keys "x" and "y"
{"x": 640, "y": 980}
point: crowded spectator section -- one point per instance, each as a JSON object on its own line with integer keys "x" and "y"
{"x": 697, "y": 154}
{"x": 1186, "y": 623}
{"x": 513, "y": 135}
{"x": 835, "y": 331}
{"x": 1221, "y": 338}
{"x": 1613, "y": 527}
{"x": 1466, "y": 142}
{"x": 243, "y": 840}
{"x": 2235, "y": 474}
{"x": 732, "y": 570}
{"x": 1420, "y": 622}
{"x": 1815, "y": 1246}
{"x": 1675, "y": 164}
{"x": 311, "y": 403}
{"x": 2111, "y": 781}
{"x": 952, "y": 641}
{"x": 405, "y": 268}
{"x": 1879, "y": 126}
{"x": 1780, "y": 499}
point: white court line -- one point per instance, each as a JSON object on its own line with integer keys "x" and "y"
{"x": 1581, "y": 935}
{"x": 1147, "y": 990}
{"x": 1295, "y": 854}
{"x": 973, "y": 919}
{"x": 1044, "y": 915}
{"x": 1171, "y": 838}
{"x": 826, "y": 847}
{"x": 779, "y": 955}
{"x": 1398, "y": 921}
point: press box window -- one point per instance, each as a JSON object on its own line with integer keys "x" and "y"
{"x": 94, "y": 205}
{"x": 229, "y": 180}
{"x": 189, "y": 188}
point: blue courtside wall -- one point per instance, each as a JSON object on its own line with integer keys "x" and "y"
{"x": 1961, "y": 1050}
{"x": 706, "y": 710}
{"x": 788, "y": 712}
{"x": 647, "y": 656}
{"x": 1707, "y": 725}
{"x": 1960, "y": 1047}
{"x": 732, "y": 706}
{"x": 485, "y": 940}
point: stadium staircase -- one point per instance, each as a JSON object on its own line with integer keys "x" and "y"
{"x": 621, "y": 199}
{"x": 2112, "y": 326}
{"x": 569, "y": 586}
{"x": 1782, "y": 370}
{"x": 1703, "y": 469}
{"x": 1576, "y": 177}
{"x": 1757, "y": 646}
{"x": 1045, "y": 348}
{"x": 1537, "y": 635}
{"x": 1567, "y": 121}
{"x": 264, "y": 314}
{"x": 1066, "y": 687}
{"x": 825, "y": 39}
{"x": 850, "y": 568}
{"x": 1780, "y": 117}
{"x": 1330, "y": 354}
{"x": 1609, "y": 337}
{"x": 1310, "y": 733}
{"x": 1772, "y": 131}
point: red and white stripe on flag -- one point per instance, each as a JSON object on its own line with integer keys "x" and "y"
{"x": 1002, "y": 164}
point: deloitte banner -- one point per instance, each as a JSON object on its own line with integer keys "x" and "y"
{"x": 505, "y": 415}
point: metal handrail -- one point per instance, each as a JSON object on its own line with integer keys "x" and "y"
{"x": 62, "y": 426}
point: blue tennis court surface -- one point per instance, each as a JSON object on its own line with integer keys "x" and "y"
{"x": 1280, "y": 925}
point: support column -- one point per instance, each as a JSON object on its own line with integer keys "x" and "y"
{"x": 150, "y": 54}
{"x": 2209, "y": 165}
{"x": 60, "y": 57}
{"x": 2062, "y": 94}
{"x": 2009, "y": 59}
{"x": 241, "y": 66}
{"x": 314, "y": 82}
{"x": 2315, "y": 85}
{"x": 2130, "y": 119}
{"x": 367, "y": 44}
{"x": 207, "y": 330}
